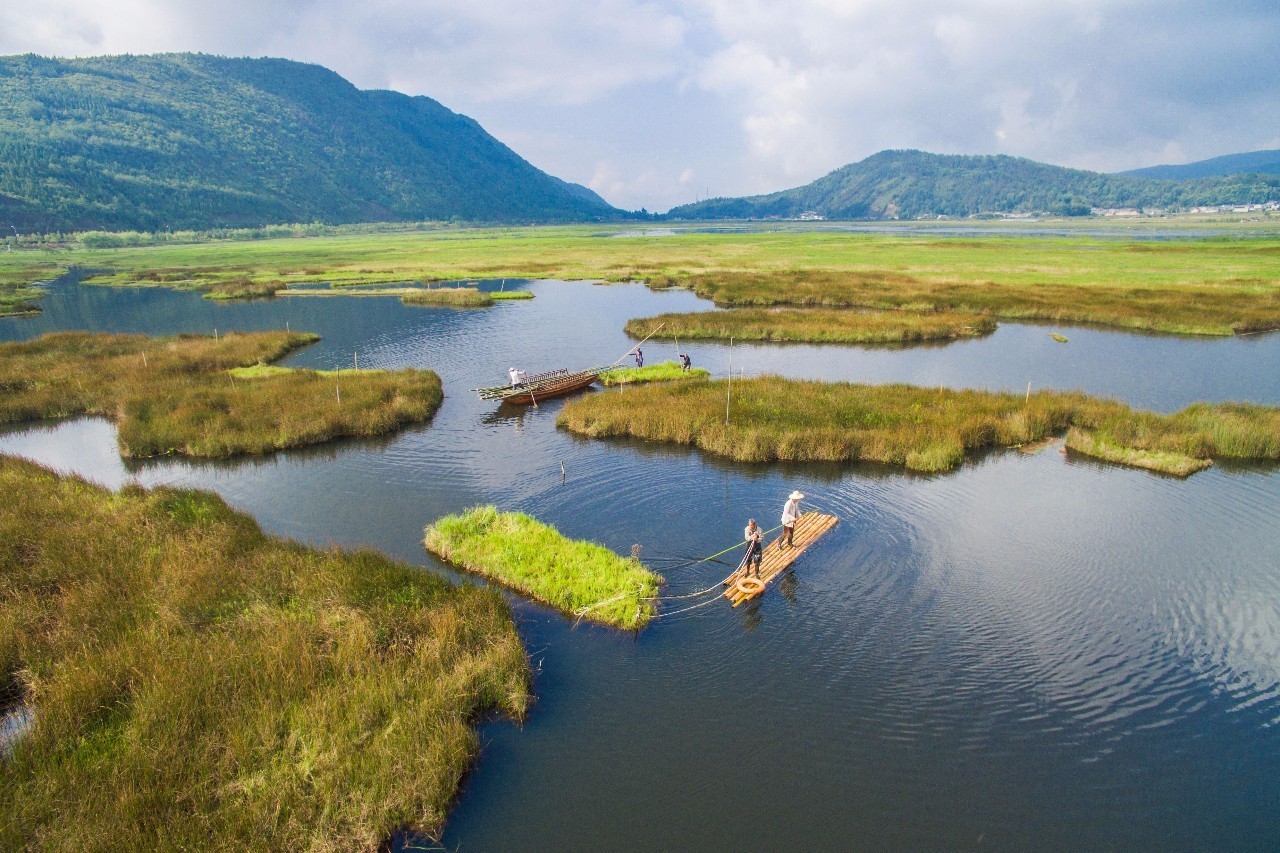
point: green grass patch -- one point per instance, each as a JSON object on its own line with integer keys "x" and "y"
{"x": 1059, "y": 337}
{"x": 922, "y": 429}
{"x": 198, "y": 685}
{"x": 457, "y": 297}
{"x": 244, "y": 288}
{"x": 580, "y": 578}
{"x": 1217, "y": 285}
{"x": 666, "y": 371}
{"x": 176, "y": 395}
{"x": 1163, "y": 461}
{"x": 813, "y": 325}
{"x": 509, "y": 295}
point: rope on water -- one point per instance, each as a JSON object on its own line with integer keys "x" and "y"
{"x": 685, "y": 609}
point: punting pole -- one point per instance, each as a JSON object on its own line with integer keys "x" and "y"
{"x": 634, "y": 348}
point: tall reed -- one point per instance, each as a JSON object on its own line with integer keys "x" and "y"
{"x": 198, "y": 685}
{"x": 175, "y": 395}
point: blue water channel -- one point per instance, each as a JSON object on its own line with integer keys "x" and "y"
{"x": 1035, "y": 651}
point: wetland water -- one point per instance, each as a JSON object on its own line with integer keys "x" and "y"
{"x": 1031, "y": 652}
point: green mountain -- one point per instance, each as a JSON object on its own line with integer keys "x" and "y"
{"x": 910, "y": 184}
{"x": 195, "y": 141}
{"x": 1250, "y": 162}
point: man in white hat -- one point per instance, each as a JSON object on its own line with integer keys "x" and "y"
{"x": 790, "y": 515}
{"x": 517, "y": 376}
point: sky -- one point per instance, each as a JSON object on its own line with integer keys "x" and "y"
{"x": 655, "y": 103}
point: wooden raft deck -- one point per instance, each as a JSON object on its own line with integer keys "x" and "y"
{"x": 811, "y": 527}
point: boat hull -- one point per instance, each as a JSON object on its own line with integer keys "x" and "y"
{"x": 546, "y": 392}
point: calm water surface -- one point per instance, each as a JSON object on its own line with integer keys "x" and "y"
{"x": 1032, "y": 652}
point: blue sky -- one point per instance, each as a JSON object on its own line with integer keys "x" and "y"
{"x": 654, "y": 104}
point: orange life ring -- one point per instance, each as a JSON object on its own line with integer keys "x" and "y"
{"x": 749, "y": 586}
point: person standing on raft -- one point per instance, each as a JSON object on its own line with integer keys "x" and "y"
{"x": 754, "y": 538}
{"x": 790, "y": 515}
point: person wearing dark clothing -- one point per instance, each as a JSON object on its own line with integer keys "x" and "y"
{"x": 685, "y": 363}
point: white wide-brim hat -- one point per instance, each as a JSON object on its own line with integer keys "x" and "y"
{"x": 797, "y": 496}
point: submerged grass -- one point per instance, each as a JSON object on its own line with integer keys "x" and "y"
{"x": 813, "y": 325}
{"x": 665, "y": 371}
{"x": 175, "y": 395}
{"x": 198, "y": 685}
{"x": 922, "y": 429}
{"x": 580, "y": 578}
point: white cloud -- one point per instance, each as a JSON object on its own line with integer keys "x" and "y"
{"x": 637, "y": 97}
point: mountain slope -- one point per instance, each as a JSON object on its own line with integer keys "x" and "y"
{"x": 908, "y": 184}
{"x": 1249, "y": 162}
{"x": 193, "y": 141}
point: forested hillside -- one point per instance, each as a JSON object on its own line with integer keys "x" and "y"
{"x": 195, "y": 141}
{"x": 908, "y": 184}
{"x": 1249, "y": 162}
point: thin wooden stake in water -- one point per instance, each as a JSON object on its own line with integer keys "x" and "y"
{"x": 286, "y": 325}
{"x": 355, "y": 361}
{"x": 728, "y": 387}
{"x": 215, "y": 334}
{"x": 562, "y": 474}
{"x": 1028, "y": 393}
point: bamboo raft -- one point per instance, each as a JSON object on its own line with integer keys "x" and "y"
{"x": 811, "y": 527}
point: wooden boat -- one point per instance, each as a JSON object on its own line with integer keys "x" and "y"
{"x": 542, "y": 386}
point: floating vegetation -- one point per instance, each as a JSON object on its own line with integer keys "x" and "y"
{"x": 813, "y": 325}
{"x": 922, "y": 429}
{"x": 510, "y": 295}
{"x": 665, "y": 371}
{"x": 244, "y": 288}
{"x": 579, "y": 578}
{"x": 1059, "y": 337}
{"x": 175, "y": 395}
{"x": 199, "y": 685}
{"x": 457, "y": 297}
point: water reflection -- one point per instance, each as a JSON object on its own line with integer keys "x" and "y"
{"x": 1032, "y": 651}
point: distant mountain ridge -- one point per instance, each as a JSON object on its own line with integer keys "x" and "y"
{"x": 197, "y": 141}
{"x": 909, "y": 184}
{"x": 1248, "y": 162}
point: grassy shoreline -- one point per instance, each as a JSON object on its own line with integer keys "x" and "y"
{"x": 576, "y": 577}
{"x": 921, "y": 429}
{"x": 1188, "y": 285}
{"x": 813, "y": 325}
{"x": 200, "y": 685}
{"x": 178, "y": 395}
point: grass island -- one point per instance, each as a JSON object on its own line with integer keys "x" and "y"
{"x": 580, "y": 578}
{"x": 196, "y": 684}
{"x": 666, "y": 371}
{"x": 204, "y": 396}
{"x": 922, "y": 429}
{"x": 813, "y": 325}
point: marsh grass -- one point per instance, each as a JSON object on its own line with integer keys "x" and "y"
{"x": 457, "y": 297}
{"x": 922, "y": 429}
{"x": 1183, "y": 308}
{"x": 813, "y": 325}
{"x": 198, "y": 685}
{"x": 666, "y": 371}
{"x": 1204, "y": 286}
{"x": 537, "y": 560}
{"x": 175, "y": 395}
{"x": 244, "y": 288}
{"x": 17, "y": 294}
{"x": 510, "y": 295}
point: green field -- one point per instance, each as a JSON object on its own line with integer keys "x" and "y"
{"x": 1202, "y": 285}
{"x": 923, "y": 429}
{"x": 197, "y": 685}
{"x": 666, "y": 371}
{"x": 181, "y": 395}
{"x": 580, "y": 578}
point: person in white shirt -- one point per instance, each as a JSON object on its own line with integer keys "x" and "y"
{"x": 790, "y": 515}
{"x": 517, "y": 377}
{"x": 754, "y": 538}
